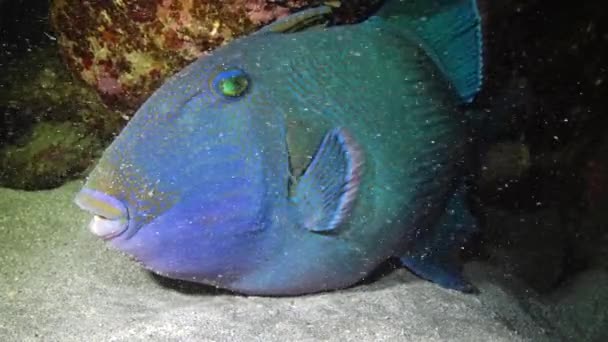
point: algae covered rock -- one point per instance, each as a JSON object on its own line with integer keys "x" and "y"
{"x": 51, "y": 125}
{"x": 125, "y": 49}
{"x": 578, "y": 308}
{"x": 37, "y": 87}
{"x": 48, "y": 156}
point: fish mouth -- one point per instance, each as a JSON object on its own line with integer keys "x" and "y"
{"x": 110, "y": 215}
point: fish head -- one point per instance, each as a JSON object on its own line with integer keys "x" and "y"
{"x": 189, "y": 182}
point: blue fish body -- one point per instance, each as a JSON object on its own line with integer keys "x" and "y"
{"x": 290, "y": 163}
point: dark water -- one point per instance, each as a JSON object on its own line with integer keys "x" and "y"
{"x": 541, "y": 183}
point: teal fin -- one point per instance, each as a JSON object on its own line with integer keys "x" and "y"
{"x": 435, "y": 258}
{"x": 450, "y": 33}
{"x": 299, "y": 21}
{"x": 325, "y": 194}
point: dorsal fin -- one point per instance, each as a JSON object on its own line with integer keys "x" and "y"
{"x": 450, "y": 33}
{"x": 299, "y": 21}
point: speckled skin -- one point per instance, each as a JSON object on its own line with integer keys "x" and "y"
{"x": 188, "y": 151}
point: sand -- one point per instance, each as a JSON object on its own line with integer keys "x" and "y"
{"x": 60, "y": 283}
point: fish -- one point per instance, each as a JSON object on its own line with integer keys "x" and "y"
{"x": 301, "y": 157}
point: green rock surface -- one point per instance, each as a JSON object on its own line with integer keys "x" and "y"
{"x": 51, "y": 126}
{"x": 60, "y": 283}
{"x": 38, "y": 87}
{"x": 47, "y": 156}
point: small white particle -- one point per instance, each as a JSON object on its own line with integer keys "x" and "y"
{"x": 49, "y": 36}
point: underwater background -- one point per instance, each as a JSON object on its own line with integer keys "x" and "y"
{"x": 74, "y": 72}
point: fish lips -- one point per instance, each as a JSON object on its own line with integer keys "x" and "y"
{"x": 110, "y": 215}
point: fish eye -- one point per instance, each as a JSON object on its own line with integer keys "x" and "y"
{"x": 231, "y": 82}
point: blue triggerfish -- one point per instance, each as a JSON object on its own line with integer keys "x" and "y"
{"x": 301, "y": 157}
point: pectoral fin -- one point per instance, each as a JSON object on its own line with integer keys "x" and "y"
{"x": 325, "y": 194}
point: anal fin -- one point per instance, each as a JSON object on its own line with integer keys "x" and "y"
{"x": 325, "y": 194}
{"x": 436, "y": 257}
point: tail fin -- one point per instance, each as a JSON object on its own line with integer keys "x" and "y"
{"x": 450, "y": 33}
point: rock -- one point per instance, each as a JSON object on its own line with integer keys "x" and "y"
{"x": 48, "y": 156}
{"x": 531, "y": 246}
{"x": 546, "y": 224}
{"x": 578, "y": 308}
{"x": 126, "y": 49}
{"x": 37, "y": 87}
{"x": 140, "y": 44}
{"x": 60, "y": 283}
{"x": 592, "y": 237}
{"x": 38, "y": 101}
{"x": 504, "y": 161}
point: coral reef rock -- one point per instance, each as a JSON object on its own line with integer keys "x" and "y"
{"x": 125, "y": 49}
{"x": 46, "y": 157}
{"x": 47, "y": 121}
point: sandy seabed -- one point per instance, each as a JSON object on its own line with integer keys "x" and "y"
{"x": 60, "y": 283}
